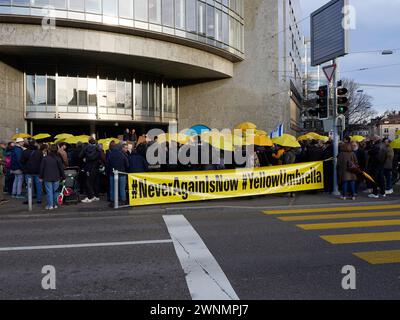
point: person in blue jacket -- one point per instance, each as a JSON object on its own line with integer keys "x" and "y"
{"x": 16, "y": 168}
{"x": 117, "y": 159}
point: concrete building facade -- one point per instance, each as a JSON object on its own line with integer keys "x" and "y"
{"x": 97, "y": 66}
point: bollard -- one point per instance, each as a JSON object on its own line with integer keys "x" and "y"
{"x": 116, "y": 184}
{"x": 30, "y": 193}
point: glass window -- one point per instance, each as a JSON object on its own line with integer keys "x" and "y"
{"x": 225, "y": 28}
{"x": 210, "y": 21}
{"x": 30, "y": 90}
{"x": 40, "y": 3}
{"x": 126, "y": 9}
{"x": 155, "y": 11}
{"x": 82, "y": 91}
{"x": 141, "y": 10}
{"x": 93, "y": 6}
{"x": 168, "y": 13}
{"x": 138, "y": 95}
{"x": 202, "y": 18}
{"x": 111, "y": 93}
{"x": 151, "y": 96}
{"x": 51, "y": 90}
{"x": 76, "y": 5}
{"x": 180, "y": 14}
{"x": 41, "y": 93}
{"x": 92, "y": 92}
{"x": 121, "y": 94}
{"x": 59, "y": 4}
{"x": 21, "y": 3}
{"x": 102, "y": 92}
{"x": 110, "y": 7}
{"x": 145, "y": 95}
{"x": 128, "y": 95}
{"x": 169, "y": 101}
{"x": 72, "y": 91}
{"x": 62, "y": 91}
{"x": 5, "y": 2}
{"x": 191, "y": 16}
{"x": 218, "y": 25}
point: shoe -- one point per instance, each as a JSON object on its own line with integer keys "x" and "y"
{"x": 383, "y": 195}
{"x": 353, "y": 198}
{"x": 96, "y": 199}
{"x": 389, "y": 191}
{"x": 87, "y": 200}
{"x": 367, "y": 191}
{"x": 55, "y": 207}
{"x": 49, "y": 208}
{"x": 19, "y": 197}
{"x": 374, "y": 196}
{"x": 4, "y": 201}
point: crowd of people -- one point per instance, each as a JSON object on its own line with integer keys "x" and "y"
{"x": 45, "y": 164}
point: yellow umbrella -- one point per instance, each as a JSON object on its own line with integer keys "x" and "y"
{"x": 246, "y": 126}
{"x": 218, "y": 140}
{"x": 395, "y": 144}
{"x": 75, "y": 140}
{"x": 261, "y": 133}
{"x": 357, "y": 138}
{"x": 41, "y": 136}
{"x": 304, "y": 137}
{"x": 63, "y": 136}
{"x": 20, "y": 135}
{"x": 258, "y": 140}
{"x": 168, "y": 137}
{"x": 286, "y": 140}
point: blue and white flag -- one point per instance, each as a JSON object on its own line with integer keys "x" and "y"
{"x": 278, "y": 132}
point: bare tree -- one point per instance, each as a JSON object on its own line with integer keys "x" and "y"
{"x": 360, "y": 104}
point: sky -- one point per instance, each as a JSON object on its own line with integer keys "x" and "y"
{"x": 377, "y": 28}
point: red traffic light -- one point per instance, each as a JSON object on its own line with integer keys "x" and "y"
{"x": 322, "y": 92}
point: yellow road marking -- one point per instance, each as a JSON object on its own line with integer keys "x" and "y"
{"x": 337, "y": 209}
{"x": 352, "y": 224}
{"x": 380, "y": 257}
{"x": 362, "y": 237}
{"x": 340, "y": 216}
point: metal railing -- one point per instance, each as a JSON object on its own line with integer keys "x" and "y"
{"x": 116, "y": 190}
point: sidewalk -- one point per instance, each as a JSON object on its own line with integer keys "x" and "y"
{"x": 15, "y": 208}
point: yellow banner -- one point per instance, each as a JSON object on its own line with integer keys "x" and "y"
{"x": 170, "y": 187}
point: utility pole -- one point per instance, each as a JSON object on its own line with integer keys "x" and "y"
{"x": 335, "y": 134}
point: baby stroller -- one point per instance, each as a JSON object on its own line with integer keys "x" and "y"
{"x": 69, "y": 187}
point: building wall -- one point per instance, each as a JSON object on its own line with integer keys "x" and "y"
{"x": 11, "y": 101}
{"x": 254, "y": 93}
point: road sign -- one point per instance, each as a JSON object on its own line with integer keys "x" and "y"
{"x": 329, "y": 71}
{"x": 329, "y": 38}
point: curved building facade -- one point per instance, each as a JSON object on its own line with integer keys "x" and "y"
{"x": 137, "y": 63}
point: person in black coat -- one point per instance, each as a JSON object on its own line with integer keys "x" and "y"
{"x": 31, "y": 160}
{"x": 91, "y": 156}
{"x": 51, "y": 173}
{"x": 117, "y": 159}
{"x": 137, "y": 163}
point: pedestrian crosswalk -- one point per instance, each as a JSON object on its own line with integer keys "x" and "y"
{"x": 342, "y": 219}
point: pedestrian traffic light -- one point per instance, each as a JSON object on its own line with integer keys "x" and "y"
{"x": 342, "y": 101}
{"x": 322, "y": 102}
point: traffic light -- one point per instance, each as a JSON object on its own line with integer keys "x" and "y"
{"x": 342, "y": 101}
{"x": 322, "y": 101}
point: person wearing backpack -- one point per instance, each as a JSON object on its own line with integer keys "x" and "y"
{"x": 347, "y": 166}
{"x": 377, "y": 158}
{"x": 31, "y": 160}
{"x": 91, "y": 156}
{"x": 51, "y": 173}
{"x": 16, "y": 168}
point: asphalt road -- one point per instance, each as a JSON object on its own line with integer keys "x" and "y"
{"x": 255, "y": 254}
